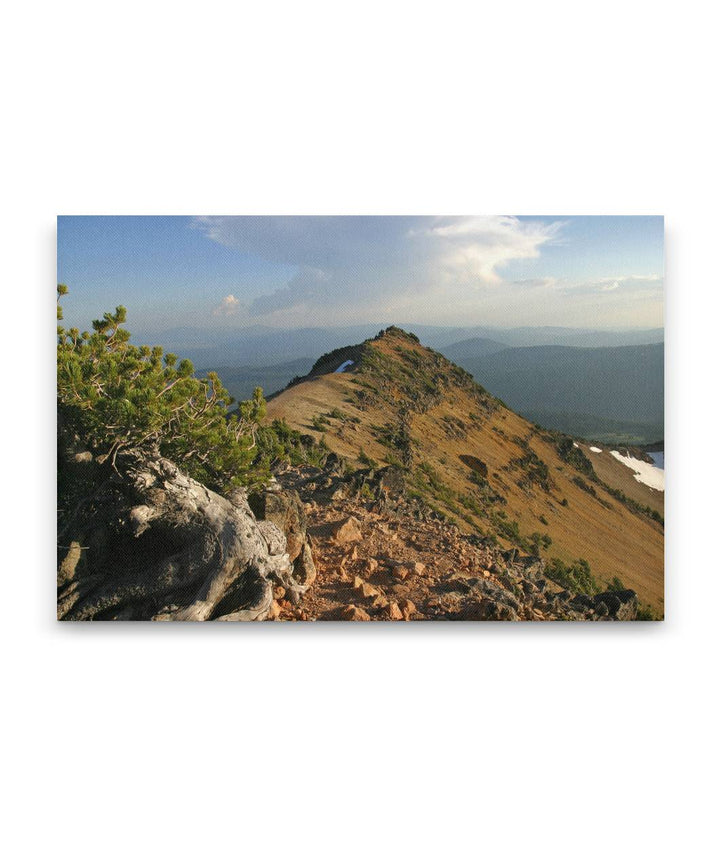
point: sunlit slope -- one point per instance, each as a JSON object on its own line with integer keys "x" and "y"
{"x": 616, "y": 474}
{"x": 476, "y": 461}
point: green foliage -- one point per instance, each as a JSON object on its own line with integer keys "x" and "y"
{"x": 398, "y": 332}
{"x": 397, "y": 436}
{"x": 510, "y": 530}
{"x": 471, "y": 504}
{"x": 485, "y": 492}
{"x": 421, "y": 378}
{"x": 635, "y": 507}
{"x": 569, "y": 452}
{"x": 278, "y": 443}
{"x": 319, "y": 423}
{"x": 576, "y": 577}
{"x": 366, "y": 460}
{"x": 645, "y": 612}
{"x": 616, "y": 584}
{"x": 535, "y": 468}
{"x": 365, "y": 491}
{"x": 340, "y": 415}
{"x": 115, "y": 395}
{"x": 539, "y": 541}
{"x": 455, "y": 428}
{"x": 428, "y": 483}
{"x": 583, "y": 485}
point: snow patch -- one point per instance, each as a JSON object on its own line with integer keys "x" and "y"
{"x": 595, "y": 449}
{"x": 576, "y": 445}
{"x": 644, "y": 472}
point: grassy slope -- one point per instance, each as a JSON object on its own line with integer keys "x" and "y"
{"x": 615, "y": 541}
{"x": 622, "y": 478}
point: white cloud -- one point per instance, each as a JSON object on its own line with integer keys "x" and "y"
{"x": 473, "y": 248}
{"x": 350, "y": 267}
{"x": 630, "y": 285}
{"x": 545, "y": 282}
{"x": 445, "y": 270}
{"x": 229, "y": 305}
{"x": 308, "y": 286}
{"x": 634, "y": 280}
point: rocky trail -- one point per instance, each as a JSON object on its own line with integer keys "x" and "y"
{"x": 377, "y": 559}
{"x": 317, "y": 544}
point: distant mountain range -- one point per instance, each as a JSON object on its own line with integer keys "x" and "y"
{"x": 240, "y": 381}
{"x": 269, "y": 346}
{"x": 609, "y": 394}
{"x": 604, "y": 385}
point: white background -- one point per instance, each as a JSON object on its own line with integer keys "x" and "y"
{"x": 358, "y": 739}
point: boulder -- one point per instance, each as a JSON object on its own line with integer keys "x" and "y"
{"x": 601, "y": 609}
{"x": 393, "y": 611}
{"x": 488, "y": 610}
{"x": 346, "y": 531}
{"x": 287, "y": 512}
{"x": 365, "y": 590}
{"x": 391, "y": 481}
{"x": 582, "y": 603}
{"x": 354, "y": 613}
{"x": 621, "y": 605}
{"x": 304, "y": 570}
{"x": 407, "y": 608}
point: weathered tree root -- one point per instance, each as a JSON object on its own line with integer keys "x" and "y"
{"x": 159, "y": 545}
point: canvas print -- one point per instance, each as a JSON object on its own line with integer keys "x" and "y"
{"x": 354, "y": 418}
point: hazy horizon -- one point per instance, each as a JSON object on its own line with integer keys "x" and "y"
{"x": 232, "y": 274}
{"x": 407, "y": 326}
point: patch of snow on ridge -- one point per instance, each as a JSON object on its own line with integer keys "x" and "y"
{"x": 644, "y": 472}
{"x": 595, "y": 449}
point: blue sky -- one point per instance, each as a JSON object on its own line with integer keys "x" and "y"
{"x": 231, "y": 272}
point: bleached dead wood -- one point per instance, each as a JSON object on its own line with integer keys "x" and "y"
{"x": 159, "y": 545}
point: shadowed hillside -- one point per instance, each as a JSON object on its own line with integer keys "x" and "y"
{"x": 600, "y": 393}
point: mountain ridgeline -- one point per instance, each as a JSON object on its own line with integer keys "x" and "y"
{"x": 599, "y": 385}
{"x": 460, "y": 453}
